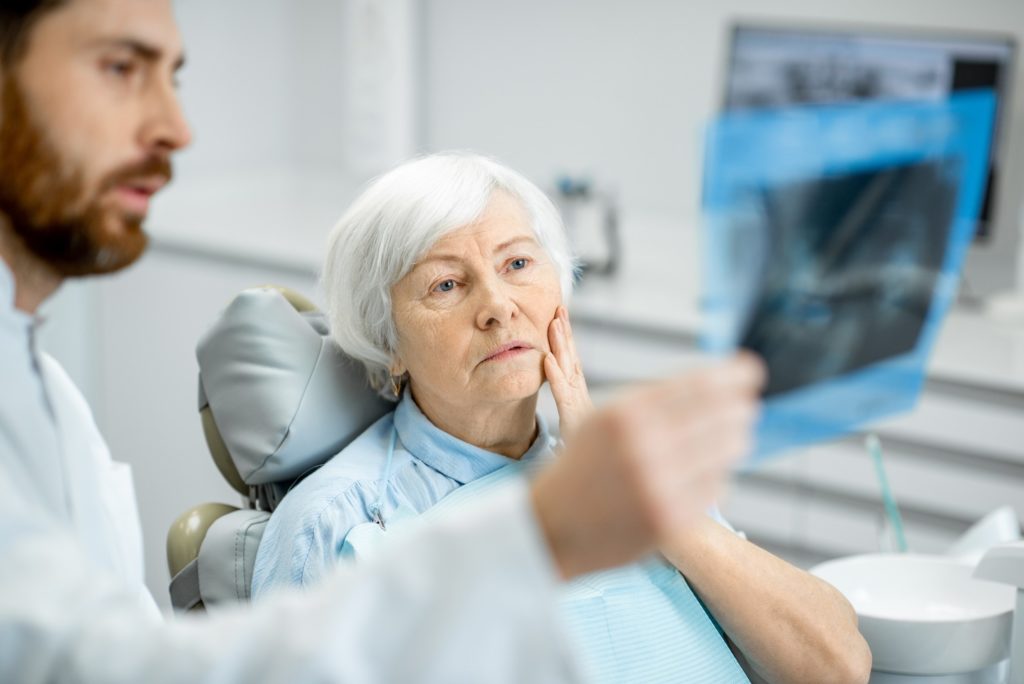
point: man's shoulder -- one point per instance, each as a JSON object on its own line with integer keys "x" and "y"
{"x": 66, "y": 391}
{"x": 56, "y": 375}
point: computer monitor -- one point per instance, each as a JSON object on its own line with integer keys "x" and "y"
{"x": 778, "y": 66}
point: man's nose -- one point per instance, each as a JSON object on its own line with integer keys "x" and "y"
{"x": 165, "y": 128}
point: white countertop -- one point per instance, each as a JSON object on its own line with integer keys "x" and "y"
{"x": 975, "y": 350}
{"x": 658, "y": 289}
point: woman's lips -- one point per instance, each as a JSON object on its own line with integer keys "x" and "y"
{"x": 508, "y": 351}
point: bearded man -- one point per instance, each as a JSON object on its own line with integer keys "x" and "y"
{"x": 89, "y": 121}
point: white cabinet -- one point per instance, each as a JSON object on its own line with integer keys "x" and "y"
{"x": 958, "y": 455}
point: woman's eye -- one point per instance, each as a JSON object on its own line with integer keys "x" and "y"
{"x": 445, "y": 286}
{"x": 518, "y": 264}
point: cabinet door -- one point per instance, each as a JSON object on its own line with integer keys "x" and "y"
{"x": 956, "y": 457}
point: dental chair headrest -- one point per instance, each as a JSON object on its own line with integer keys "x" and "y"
{"x": 278, "y": 396}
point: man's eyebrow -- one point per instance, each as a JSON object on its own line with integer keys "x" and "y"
{"x": 456, "y": 258}
{"x": 147, "y": 51}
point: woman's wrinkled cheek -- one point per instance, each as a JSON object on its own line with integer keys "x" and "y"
{"x": 436, "y": 346}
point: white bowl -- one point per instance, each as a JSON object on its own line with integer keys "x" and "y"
{"x": 923, "y": 614}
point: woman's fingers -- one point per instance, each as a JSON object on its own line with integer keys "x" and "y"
{"x": 568, "y": 339}
{"x": 570, "y": 409}
{"x": 564, "y": 372}
{"x": 562, "y": 345}
{"x": 556, "y": 378}
{"x": 564, "y": 350}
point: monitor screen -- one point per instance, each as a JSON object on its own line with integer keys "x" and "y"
{"x": 778, "y": 67}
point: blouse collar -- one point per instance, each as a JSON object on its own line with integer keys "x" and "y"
{"x": 449, "y": 455}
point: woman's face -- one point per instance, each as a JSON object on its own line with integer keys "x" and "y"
{"x": 473, "y": 314}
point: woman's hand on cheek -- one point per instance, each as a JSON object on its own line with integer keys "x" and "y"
{"x": 564, "y": 372}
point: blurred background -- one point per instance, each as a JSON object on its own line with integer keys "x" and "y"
{"x": 295, "y": 104}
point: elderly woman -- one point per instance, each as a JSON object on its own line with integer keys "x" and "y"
{"x": 448, "y": 279}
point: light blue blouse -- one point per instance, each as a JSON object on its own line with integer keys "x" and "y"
{"x": 307, "y": 531}
{"x": 638, "y": 623}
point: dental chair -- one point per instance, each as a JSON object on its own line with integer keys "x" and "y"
{"x": 277, "y": 398}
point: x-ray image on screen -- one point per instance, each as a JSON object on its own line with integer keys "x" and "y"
{"x": 786, "y": 66}
{"x": 850, "y": 262}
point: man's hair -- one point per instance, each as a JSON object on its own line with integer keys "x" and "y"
{"x": 16, "y": 20}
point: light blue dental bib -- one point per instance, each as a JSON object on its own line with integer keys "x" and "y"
{"x": 640, "y": 623}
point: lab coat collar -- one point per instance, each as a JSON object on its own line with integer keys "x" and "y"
{"x": 7, "y": 308}
{"x": 449, "y": 455}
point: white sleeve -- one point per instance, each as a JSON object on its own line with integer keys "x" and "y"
{"x": 468, "y": 599}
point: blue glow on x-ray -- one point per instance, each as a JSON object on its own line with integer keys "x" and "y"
{"x": 833, "y": 242}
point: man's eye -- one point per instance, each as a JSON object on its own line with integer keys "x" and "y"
{"x": 518, "y": 264}
{"x": 120, "y": 68}
{"x": 445, "y": 286}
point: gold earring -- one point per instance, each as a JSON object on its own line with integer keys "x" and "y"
{"x": 396, "y": 385}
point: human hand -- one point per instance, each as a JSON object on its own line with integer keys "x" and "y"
{"x": 565, "y": 374}
{"x": 646, "y": 465}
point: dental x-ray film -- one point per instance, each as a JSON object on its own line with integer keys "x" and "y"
{"x": 833, "y": 241}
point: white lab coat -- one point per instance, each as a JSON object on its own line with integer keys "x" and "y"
{"x": 469, "y": 600}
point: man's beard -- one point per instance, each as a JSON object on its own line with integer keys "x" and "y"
{"x": 44, "y": 200}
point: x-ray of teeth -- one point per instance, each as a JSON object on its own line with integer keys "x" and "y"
{"x": 848, "y": 269}
{"x": 833, "y": 242}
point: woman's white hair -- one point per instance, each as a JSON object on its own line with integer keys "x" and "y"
{"x": 396, "y": 220}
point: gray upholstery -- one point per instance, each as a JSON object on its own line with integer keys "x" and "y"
{"x": 284, "y": 397}
{"x": 277, "y": 398}
{"x": 222, "y": 570}
{"x": 227, "y": 556}
{"x": 185, "y": 587}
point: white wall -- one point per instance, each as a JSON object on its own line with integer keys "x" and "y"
{"x": 274, "y": 83}
{"x": 621, "y": 90}
{"x": 238, "y": 83}
{"x": 286, "y": 129}
{"x": 264, "y": 84}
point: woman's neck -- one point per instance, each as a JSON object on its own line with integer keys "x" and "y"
{"x": 508, "y": 429}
